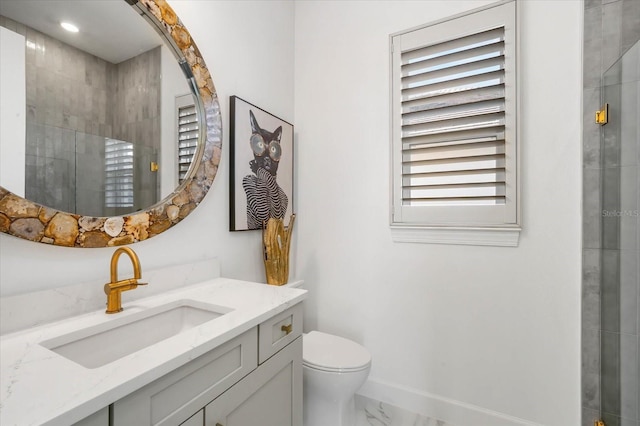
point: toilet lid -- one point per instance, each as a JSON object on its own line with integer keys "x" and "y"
{"x": 328, "y": 352}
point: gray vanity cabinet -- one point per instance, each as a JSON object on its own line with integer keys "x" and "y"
{"x": 173, "y": 398}
{"x": 269, "y": 396}
{"x": 255, "y": 378}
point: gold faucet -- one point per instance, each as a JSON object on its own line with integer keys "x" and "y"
{"x": 114, "y": 289}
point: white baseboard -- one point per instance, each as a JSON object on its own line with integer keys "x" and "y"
{"x": 448, "y": 410}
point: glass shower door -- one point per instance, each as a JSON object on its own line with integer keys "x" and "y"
{"x": 620, "y": 293}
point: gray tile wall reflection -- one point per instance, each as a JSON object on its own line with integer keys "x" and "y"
{"x": 136, "y": 116}
{"x": 50, "y": 166}
{"x": 90, "y": 155}
{"x": 71, "y": 91}
{"x": 611, "y": 230}
{"x": 66, "y": 87}
{"x": 145, "y": 186}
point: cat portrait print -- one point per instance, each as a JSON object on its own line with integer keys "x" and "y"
{"x": 265, "y": 198}
{"x": 261, "y": 159}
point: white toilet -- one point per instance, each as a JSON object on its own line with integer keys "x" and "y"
{"x": 333, "y": 368}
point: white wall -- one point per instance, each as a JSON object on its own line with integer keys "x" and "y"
{"x": 468, "y": 330}
{"x": 248, "y": 55}
{"x": 12, "y": 111}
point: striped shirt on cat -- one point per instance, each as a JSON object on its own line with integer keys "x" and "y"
{"x": 265, "y": 198}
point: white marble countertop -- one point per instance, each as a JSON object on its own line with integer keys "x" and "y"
{"x": 40, "y": 387}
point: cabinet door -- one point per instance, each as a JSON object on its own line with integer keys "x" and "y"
{"x": 100, "y": 418}
{"x": 269, "y": 396}
{"x": 196, "y": 420}
{"x": 173, "y": 398}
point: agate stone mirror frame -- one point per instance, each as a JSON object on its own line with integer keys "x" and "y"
{"x": 28, "y": 220}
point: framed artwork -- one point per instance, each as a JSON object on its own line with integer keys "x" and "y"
{"x": 261, "y": 164}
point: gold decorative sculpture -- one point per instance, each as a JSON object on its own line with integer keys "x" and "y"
{"x": 276, "y": 240}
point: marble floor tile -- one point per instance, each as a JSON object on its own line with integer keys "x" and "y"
{"x": 374, "y": 413}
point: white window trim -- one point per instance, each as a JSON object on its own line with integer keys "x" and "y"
{"x": 504, "y": 235}
{"x": 498, "y": 236}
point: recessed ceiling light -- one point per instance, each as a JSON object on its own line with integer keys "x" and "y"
{"x": 69, "y": 27}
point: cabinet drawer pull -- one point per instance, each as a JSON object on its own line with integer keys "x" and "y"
{"x": 287, "y": 329}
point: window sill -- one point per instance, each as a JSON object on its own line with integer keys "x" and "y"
{"x": 499, "y": 237}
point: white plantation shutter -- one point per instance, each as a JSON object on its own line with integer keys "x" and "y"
{"x": 118, "y": 168}
{"x": 454, "y": 122}
{"x": 187, "y": 138}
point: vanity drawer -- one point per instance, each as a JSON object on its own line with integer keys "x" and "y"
{"x": 174, "y": 398}
{"x": 277, "y": 332}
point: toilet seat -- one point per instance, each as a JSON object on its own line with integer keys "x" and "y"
{"x": 326, "y": 352}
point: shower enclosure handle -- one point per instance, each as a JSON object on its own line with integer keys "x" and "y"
{"x": 602, "y": 118}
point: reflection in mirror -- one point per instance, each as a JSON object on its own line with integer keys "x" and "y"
{"x": 103, "y": 125}
{"x": 105, "y": 108}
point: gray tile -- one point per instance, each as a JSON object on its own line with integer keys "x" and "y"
{"x": 611, "y": 419}
{"x": 628, "y": 231}
{"x": 31, "y": 192}
{"x": 610, "y": 373}
{"x": 630, "y": 24}
{"x": 629, "y": 189}
{"x": 591, "y": 231}
{"x": 591, "y": 369}
{"x": 30, "y": 179}
{"x": 619, "y": 378}
{"x": 629, "y": 132}
{"x": 611, "y": 229}
{"x": 611, "y": 24}
{"x": 610, "y": 291}
{"x": 591, "y": 271}
{"x": 611, "y": 212}
{"x": 592, "y": 60}
{"x": 629, "y": 376}
{"x": 611, "y": 190}
{"x": 629, "y": 279}
{"x": 591, "y": 181}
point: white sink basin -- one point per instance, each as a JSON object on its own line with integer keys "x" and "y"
{"x": 95, "y": 346}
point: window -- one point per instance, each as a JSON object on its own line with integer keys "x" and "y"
{"x": 118, "y": 167}
{"x": 187, "y": 134}
{"x": 454, "y": 135}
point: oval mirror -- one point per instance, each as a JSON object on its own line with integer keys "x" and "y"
{"x": 103, "y": 141}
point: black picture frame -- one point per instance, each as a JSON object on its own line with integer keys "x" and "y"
{"x": 259, "y": 185}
